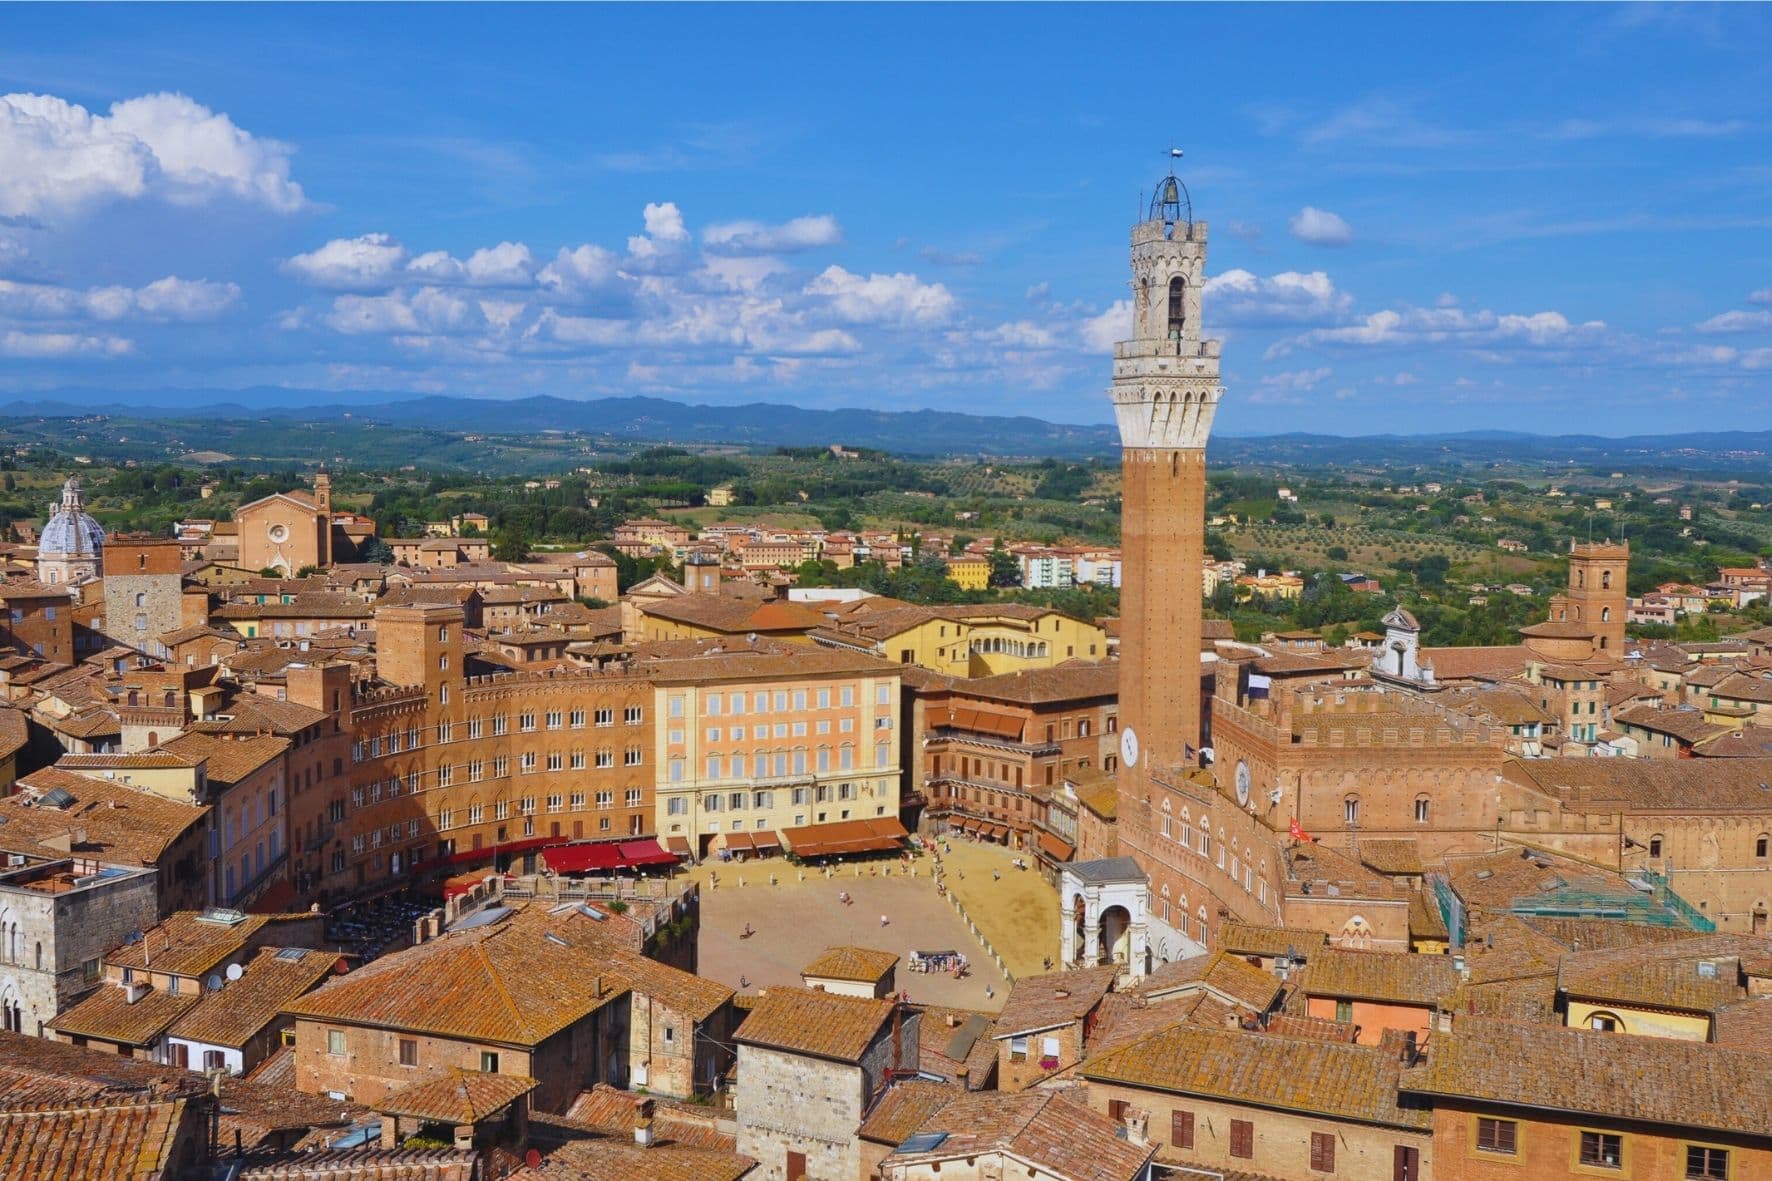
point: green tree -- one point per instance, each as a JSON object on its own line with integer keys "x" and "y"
{"x": 511, "y": 544}
{"x": 1005, "y": 570}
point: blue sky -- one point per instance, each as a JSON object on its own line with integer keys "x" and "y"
{"x": 1423, "y": 218}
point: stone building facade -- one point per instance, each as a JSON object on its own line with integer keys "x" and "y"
{"x": 144, "y": 592}
{"x": 57, "y": 920}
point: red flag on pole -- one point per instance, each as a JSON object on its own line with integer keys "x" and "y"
{"x": 1298, "y": 833}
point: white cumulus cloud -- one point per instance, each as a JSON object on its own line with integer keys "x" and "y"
{"x": 1737, "y": 321}
{"x": 170, "y": 298}
{"x": 363, "y": 263}
{"x": 1319, "y": 227}
{"x": 34, "y": 345}
{"x": 755, "y": 237}
{"x": 57, "y": 157}
{"x": 899, "y": 299}
{"x": 1291, "y": 297}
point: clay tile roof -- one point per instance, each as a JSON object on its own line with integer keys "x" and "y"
{"x": 122, "y": 823}
{"x": 459, "y": 1096}
{"x": 1391, "y": 856}
{"x": 1378, "y": 976}
{"x": 1701, "y": 974}
{"x": 821, "y": 1024}
{"x": 14, "y": 732}
{"x": 1250, "y": 939}
{"x": 903, "y": 1109}
{"x": 1558, "y": 629}
{"x": 696, "y": 997}
{"x": 108, "y": 1014}
{"x": 1057, "y": 998}
{"x": 1667, "y": 1081}
{"x": 186, "y": 943}
{"x": 851, "y": 963}
{"x": 1425, "y": 920}
{"x": 1058, "y": 1136}
{"x": 257, "y": 711}
{"x": 1745, "y": 1025}
{"x": 1071, "y": 681}
{"x": 1688, "y": 725}
{"x": 618, "y": 1158}
{"x": 231, "y": 760}
{"x": 119, "y": 1140}
{"x": 1459, "y": 664}
{"x": 88, "y": 723}
{"x": 1220, "y": 973}
{"x": 272, "y": 978}
{"x": 507, "y": 983}
{"x": 609, "y": 1110}
{"x": 1652, "y": 784}
{"x": 1310, "y": 1074}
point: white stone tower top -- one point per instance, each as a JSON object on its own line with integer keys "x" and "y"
{"x": 1166, "y": 386}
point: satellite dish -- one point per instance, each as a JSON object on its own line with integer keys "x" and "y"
{"x": 235, "y": 971}
{"x": 214, "y": 983}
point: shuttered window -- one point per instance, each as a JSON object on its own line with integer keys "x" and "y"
{"x": 1181, "y": 1129}
{"x": 1242, "y": 1138}
{"x": 1322, "y": 1152}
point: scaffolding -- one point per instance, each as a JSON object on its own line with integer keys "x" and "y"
{"x": 1649, "y": 900}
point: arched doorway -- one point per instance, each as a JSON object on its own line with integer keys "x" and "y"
{"x": 1116, "y": 935}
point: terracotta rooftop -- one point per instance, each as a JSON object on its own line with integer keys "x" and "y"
{"x": 243, "y": 1007}
{"x": 458, "y": 1096}
{"x": 122, "y": 823}
{"x": 1391, "y": 977}
{"x": 1051, "y": 1000}
{"x": 1709, "y": 785}
{"x": 903, "y": 1109}
{"x": 1310, "y": 1074}
{"x": 1250, "y": 939}
{"x": 613, "y": 1111}
{"x": 820, "y": 1024}
{"x": 193, "y": 943}
{"x": 508, "y": 983}
{"x": 109, "y": 1015}
{"x": 1678, "y": 1084}
{"x": 118, "y": 1140}
{"x": 1071, "y": 681}
{"x": 1476, "y": 663}
{"x": 1701, "y": 974}
{"x": 1219, "y": 973}
{"x": 230, "y": 760}
{"x": 1056, "y": 1135}
{"x": 1744, "y": 1025}
{"x": 1395, "y": 857}
{"x": 862, "y": 964}
{"x": 597, "y": 1157}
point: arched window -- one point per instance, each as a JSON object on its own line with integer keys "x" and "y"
{"x": 1580, "y": 579}
{"x": 1763, "y": 845}
{"x": 1350, "y": 810}
{"x": 141, "y": 598}
{"x": 1605, "y": 580}
{"x": 1655, "y": 845}
{"x": 1421, "y": 809}
{"x": 1177, "y": 307}
{"x": 1605, "y": 1022}
{"x": 1605, "y": 615}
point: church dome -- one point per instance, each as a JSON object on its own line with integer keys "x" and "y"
{"x": 70, "y": 531}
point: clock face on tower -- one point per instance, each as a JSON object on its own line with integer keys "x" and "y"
{"x": 1242, "y": 782}
{"x": 1129, "y": 746}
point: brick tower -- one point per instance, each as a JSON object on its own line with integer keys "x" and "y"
{"x": 1165, "y": 392}
{"x": 1598, "y": 572}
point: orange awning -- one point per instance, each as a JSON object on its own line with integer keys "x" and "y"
{"x": 1055, "y": 848}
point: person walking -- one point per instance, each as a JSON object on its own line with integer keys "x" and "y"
{"x": 884, "y": 920}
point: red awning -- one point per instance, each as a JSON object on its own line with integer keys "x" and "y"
{"x": 647, "y": 852}
{"x": 739, "y": 842}
{"x": 765, "y": 840}
{"x": 488, "y": 851}
{"x": 679, "y": 846}
{"x": 1055, "y": 848}
{"x": 586, "y": 858}
{"x": 846, "y": 836}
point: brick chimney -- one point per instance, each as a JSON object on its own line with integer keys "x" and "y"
{"x": 643, "y": 1123}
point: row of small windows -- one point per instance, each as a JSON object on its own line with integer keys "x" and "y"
{"x": 395, "y": 741}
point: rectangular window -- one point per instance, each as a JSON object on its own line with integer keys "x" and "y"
{"x": 631, "y": 715}
{"x": 1602, "y": 1150}
{"x": 1322, "y": 1152}
{"x": 1706, "y": 1164}
{"x": 676, "y": 705}
{"x": 606, "y": 717}
{"x": 335, "y": 1042}
{"x": 578, "y": 760}
{"x": 1018, "y": 1049}
{"x": 1497, "y": 1135}
{"x": 1242, "y": 1138}
{"x": 1344, "y": 1011}
{"x": 605, "y": 758}
{"x": 631, "y": 757}
{"x": 1181, "y": 1129}
{"x": 488, "y": 1062}
{"x": 556, "y": 719}
{"x": 578, "y": 719}
{"x": 713, "y": 705}
{"x": 408, "y": 1051}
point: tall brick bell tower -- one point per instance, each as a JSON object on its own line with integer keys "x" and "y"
{"x": 1165, "y": 392}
